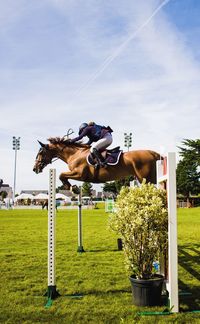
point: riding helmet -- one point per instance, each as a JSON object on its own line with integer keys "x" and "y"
{"x": 82, "y": 127}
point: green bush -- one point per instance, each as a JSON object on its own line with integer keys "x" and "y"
{"x": 141, "y": 220}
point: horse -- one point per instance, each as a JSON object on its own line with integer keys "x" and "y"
{"x": 139, "y": 163}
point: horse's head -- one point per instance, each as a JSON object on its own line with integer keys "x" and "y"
{"x": 43, "y": 158}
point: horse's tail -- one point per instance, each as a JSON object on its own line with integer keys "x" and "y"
{"x": 157, "y": 156}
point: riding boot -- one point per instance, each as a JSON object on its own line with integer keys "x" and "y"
{"x": 94, "y": 159}
{"x": 99, "y": 157}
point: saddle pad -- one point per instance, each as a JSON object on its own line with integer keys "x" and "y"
{"x": 111, "y": 158}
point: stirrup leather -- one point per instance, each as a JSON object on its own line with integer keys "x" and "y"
{"x": 99, "y": 157}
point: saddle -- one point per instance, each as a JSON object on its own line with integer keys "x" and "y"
{"x": 111, "y": 156}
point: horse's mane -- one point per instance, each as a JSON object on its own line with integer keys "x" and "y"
{"x": 62, "y": 140}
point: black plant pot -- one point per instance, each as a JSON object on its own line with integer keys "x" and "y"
{"x": 119, "y": 244}
{"x": 147, "y": 292}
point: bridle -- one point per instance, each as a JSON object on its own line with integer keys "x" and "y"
{"x": 44, "y": 163}
{"x": 65, "y": 137}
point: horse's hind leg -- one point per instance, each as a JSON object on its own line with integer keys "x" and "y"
{"x": 147, "y": 172}
{"x": 152, "y": 174}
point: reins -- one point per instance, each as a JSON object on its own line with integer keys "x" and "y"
{"x": 69, "y": 132}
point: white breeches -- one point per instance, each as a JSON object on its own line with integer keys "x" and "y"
{"x": 102, "y": 143}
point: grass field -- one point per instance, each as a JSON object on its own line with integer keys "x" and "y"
{"x": 98, "y": 275}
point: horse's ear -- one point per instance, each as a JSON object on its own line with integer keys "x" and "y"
{"x": 41, "y": 144}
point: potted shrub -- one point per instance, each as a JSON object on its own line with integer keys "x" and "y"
{"x": 141, "y": 220}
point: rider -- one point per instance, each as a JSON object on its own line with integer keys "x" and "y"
{"x": 99, "y": 136}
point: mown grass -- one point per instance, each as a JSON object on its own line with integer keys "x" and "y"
{"x": 98, "y": 275}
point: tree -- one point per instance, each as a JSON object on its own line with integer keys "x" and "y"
{"x": 188, "y": 176}
{"x": 123, "y": 182}
{"x": 191, "y": 151}
{"x": 60, "y": 188}
{"x": 115, "y": 186}
{"x": 3, "y": 194}
{"x": 87, "y": 189}
{"x": 110, "y": 187}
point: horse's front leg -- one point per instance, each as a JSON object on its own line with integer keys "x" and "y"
{"x": 64, "y": 176}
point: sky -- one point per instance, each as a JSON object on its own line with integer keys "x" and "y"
{"x": 133, "y": 65}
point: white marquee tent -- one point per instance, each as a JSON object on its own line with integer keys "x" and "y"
{"x": 24, "y": 196}
{"x": 63, "y": 197}
{"x": 41, "y": 196}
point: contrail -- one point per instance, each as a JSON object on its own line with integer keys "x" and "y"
{"x": 118, "y": 51}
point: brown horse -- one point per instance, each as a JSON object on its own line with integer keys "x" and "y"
{"x": 141, "y": 163}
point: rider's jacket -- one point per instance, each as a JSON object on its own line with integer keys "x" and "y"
{"x": 93, "y": 132}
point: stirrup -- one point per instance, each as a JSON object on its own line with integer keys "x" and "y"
{"x": 96, "y": 166}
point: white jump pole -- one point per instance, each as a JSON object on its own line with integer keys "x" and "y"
{"x": 172, "y": 233}
{"x": 170, "y": 179}
{"x": 80, "y": 231}
{"x": 51, "y": 291}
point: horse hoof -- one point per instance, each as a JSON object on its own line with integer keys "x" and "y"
{"x": 75, "y": 189}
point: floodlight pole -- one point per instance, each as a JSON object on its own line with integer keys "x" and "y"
{"x": 15, "y": 169}
{"x": 16, "y": 147}
{"x": 128, "y": 140}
